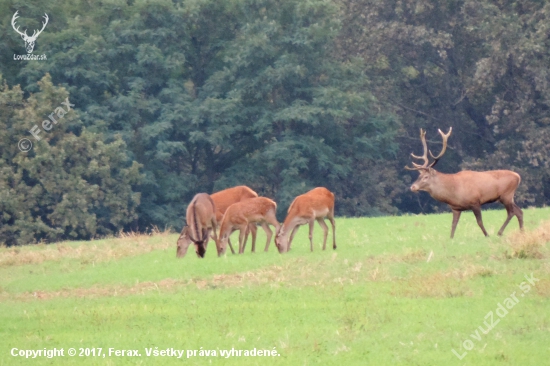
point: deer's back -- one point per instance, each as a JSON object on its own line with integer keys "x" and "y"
{"x": 317, "y": 202}
{"x": 483, "y": 187}
{"x": 252, "y": 207}
{"x": 201, "y": 208}
{"x": 227, "y": 197}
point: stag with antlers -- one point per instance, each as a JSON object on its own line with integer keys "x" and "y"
{"x": 466, "y": 190}
{"x": 29, "y": 41}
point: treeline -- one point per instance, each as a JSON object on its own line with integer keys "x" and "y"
{"x": 172, "y": 98}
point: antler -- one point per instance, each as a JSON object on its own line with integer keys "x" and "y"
{"x": 34, "y": 35}
{"x": 24, "y": 34}
{"x": 425, "y": 155}
{"x": 15, "y": 16}
{"x": 444, "y": 137}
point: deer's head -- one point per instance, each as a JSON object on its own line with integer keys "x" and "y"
{"x": 281, "y": 240}
{"x": 29, "y": 41}
{"x": 427, "y": 173}
{"x": 183, "y": 243}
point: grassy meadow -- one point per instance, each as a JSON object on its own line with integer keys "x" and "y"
{"x": 397, "y": 291}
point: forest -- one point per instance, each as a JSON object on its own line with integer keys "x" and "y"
{"x": 157, "y": 100}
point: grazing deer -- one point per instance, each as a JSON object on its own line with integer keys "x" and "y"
{"x": 467, "y": 190}
{"x": 201, "y": 220}
{"x": 183, "y": 242}
{"x": 305, "y": 209}
{"x": 222, "y": 200}
{"x": 227, "y": 197}
{"x": 240, "y": 215}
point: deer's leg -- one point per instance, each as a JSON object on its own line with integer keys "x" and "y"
{"x": 311, "y": 222}
{"x": 268, "y": 233}
{"x": 519, "y": 214}
{"x": 242, "y": 233}
{"x": 230, "y": 245}
{"x": 456, "y": 217}
{"x": 271, "y": 219}
{"x": 510, "y": 211}
{"x": 331, "y": 219}
{"x": 253, "y": 230}
{"x": 477, "y": 213}
{"x": 214, "y": 227}
{"x": 208, "y": 234}
{"x": 324, "y": 226}
{"x": 294, "y": 231}
{"x": 247, "y": 231}
{"x": 210, "y": 231}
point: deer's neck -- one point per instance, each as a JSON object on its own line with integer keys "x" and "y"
{"x": 443, "y": 187}
{"x": 287, "y": 227}
{"x": 225, "y": 228}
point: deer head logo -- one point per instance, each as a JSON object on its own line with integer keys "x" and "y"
{"x": 29, "y": 41}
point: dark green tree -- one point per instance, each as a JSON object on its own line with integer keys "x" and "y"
{"x": 208, "y": 94}
{"x": 284, "y": 116}
{"x": 67, "y": 186}
{"x": 479, "y": 66}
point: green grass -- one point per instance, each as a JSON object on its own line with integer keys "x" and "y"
{"x": 376, "y": 300}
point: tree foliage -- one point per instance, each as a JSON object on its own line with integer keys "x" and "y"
{"x": 68, "y": 186}
{"x": 479, "y": 66}
{"x": 279, "y": 95}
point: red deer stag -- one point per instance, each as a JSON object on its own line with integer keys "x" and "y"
{"x": 222, "y": 200}
{"x": 201, "y": 220}
{"x": 467, "y": 190}
{"x": 240, "y": 215}
{"x": 305, "y": 209}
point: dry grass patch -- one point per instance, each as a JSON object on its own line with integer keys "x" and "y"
{"x": 415, "y": 256}
{"x": 127, "y": 244}
{"x": 451, "y": 283}
{"x": 295, "y": 273}
{"x": 543, "y": 288}
{"x": 471, "y": 271}
{"x": 274, "y": 275}
{"x": 438, "y": 285}
{"x": 529, "y": 244}
{"x": 97, "y": 291}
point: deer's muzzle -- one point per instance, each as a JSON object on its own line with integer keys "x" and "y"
{"x": 200, "y": 249}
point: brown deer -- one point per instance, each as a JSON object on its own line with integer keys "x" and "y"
{"x": 305, "y": 209}
{"x": 222, "y": 200}
{"x": 201, "y": 220}
{"x": 467, "y": 190}
{"x": 227, "y": 197}
{"x": 183, "y": 242}
{"x": 240, "y": 215}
